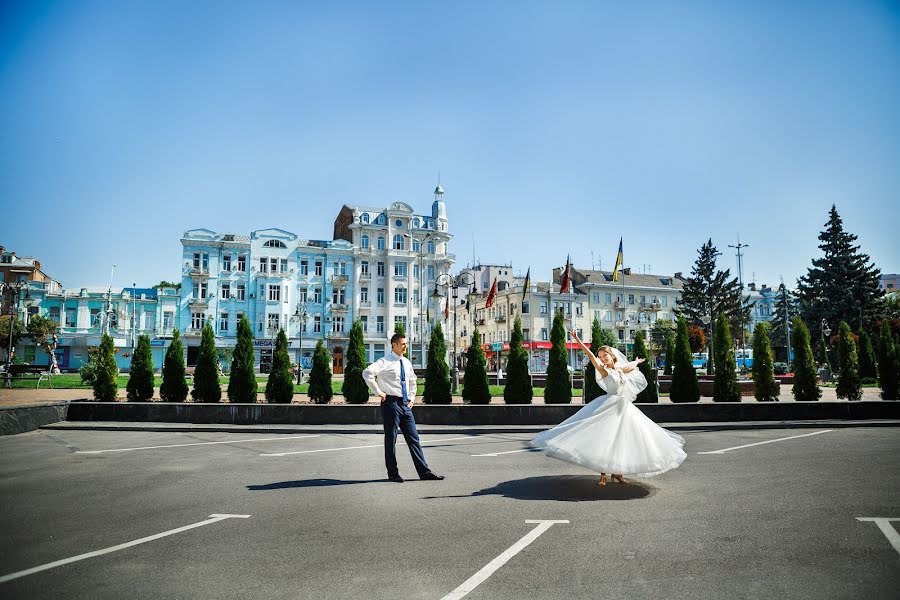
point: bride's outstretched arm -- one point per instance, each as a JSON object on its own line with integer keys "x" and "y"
{"x": 632, "y": 365}
{"x": 594, "y": 360}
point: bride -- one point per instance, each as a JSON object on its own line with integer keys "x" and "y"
{"x": 610, "y": 434}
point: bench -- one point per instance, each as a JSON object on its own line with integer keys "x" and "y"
{"x": 39, "y": 372}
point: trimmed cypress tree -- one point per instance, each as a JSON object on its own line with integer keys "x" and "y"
{"x": 518, "y": 388}
{"x": 684, "y": 379}
{"x": 280, "y": 386}
{"x": 823, "y": 355}
{"x": 475, "y": 382}
{"x": 805, "y": 387}
{"x": 320, "y": 390}
{"x": 867, "y": 361}
{"x": 174, "y": 388}
{"x": 766, "y": 388}
{"x": 725, "y": 387}
{"x": 105, "y": 381}
{"x": 888, "y": 364}
{"x": 559, "y": 387}
{"x": 437, "y": 375}
{"x": 648, "y": 394}
{"x": 206, "y": 373}
{"x": 242, "y": 384}
{"x": 848, "y": 386}
{"x": 591, "y": 388}
{"x": 354, "y": 387}
{"x": 670, "y": 356}
{"x": 140, "y": 379}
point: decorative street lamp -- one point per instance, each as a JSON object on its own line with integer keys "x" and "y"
{"x": 464, "y": 279}
{"x": 708, "y": 320}
{"x": 421, "y": 253}
{"x": 300, "y": 317}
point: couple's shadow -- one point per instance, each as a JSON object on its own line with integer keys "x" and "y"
{"x": 308, "y": 483}
{"x": 563, "y": 488}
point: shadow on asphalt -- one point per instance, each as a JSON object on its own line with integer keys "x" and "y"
{"x": 564, "y": 488}
{"x": 307, "y": 483}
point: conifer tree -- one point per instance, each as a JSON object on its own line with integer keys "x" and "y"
{"x": 242, "y": 384}
{"x": 592, "y": 389}
{"x": 320, "y": 390}
{"x": 559, "y": 386}
{"x": 888, "y": 364}
{"x": 206, "y": 373}
{"x": 867, "y": 359}
{"x": 785, "y": 310}
{"x": 842, "y": 272}
{"x": 709, "y": 291}
{"x": 684, "y": 379}
{"x": 140, "y": 379}
{"x": 725, "y": 386}
{"x": 649, "y": 393}
{"x": 518, "y": 388}
{"x": 475, "y": 382}
{"x": 354, "y": 387}
{"x": 823, "y": 355}
{"x": 280, "y": 385}
{"x": 766, "y": 388}
{"x": 848, "y": 385}
{"x": 174, "y": 388}
{"x": 670, "y": 356}
{"x": 106, "y": 383}
{"x": 805, "y": 386}
{"x": 437, "y": 375}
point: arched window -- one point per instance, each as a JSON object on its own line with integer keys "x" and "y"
{"x": 380, "y": 220}
{"x": 416, "y": 245}
{"x": 415, "y": 222}
{"x": 381, "y": 242}
{"x": 274, "y": 244}
{"x": 398, "y": 242}
{"x": 431, "y": 246}
{"x": 365, "y": 218}
{"x": 364, "y": 242}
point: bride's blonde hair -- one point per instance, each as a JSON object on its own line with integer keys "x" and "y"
{"x": 609, "y": 351}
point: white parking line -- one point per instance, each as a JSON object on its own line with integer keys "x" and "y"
{"x": 268, "y": 439}
{"x": 509, "y": 452}
{"x": 886, "y": 528}
{"x": 478, "y": 578}
{"x": 212, "y": 519}
{"x": 793, "y": 437}
{"x": 469, "y": 437}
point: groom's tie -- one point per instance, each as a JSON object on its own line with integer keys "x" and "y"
{"x": 403, "y": 381}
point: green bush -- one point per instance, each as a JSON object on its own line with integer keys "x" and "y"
{"x": 518, "y": 388}
{"x": 206, "y": 373}
{"x": 174, "y": 387}
{"x": 320, "y": 390}
{"x": 559, "y": 386}
{"x": 805, "y": 386}
{"x": 280, "y": 385}
{"x": 475, "y": 382}
{"x": 685, "y": 387}
{"x": 354, "y": 387}
{"x": 140, "y": 378}
{"x": 242, "y": 384}
{"x": 437, "y": 374}
{"x": 106, "y": 382}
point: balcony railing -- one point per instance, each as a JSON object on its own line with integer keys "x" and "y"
{"x": 276, "y": 274}
{"x": 500, "y": 318}
{"x": 340, "y": 279}
{"x": 651, "y": 306}
{"x": 196, "y": 272}
{"x": 340, "y": 308}
{"x": 620, "y": 323}
{"x": 199, "y": 302}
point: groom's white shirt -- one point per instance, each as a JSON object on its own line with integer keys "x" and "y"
{"x": 383, "y": 376}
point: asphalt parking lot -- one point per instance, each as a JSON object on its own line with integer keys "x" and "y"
{"x": 750, "y": 514}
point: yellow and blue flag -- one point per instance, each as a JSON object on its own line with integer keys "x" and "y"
{"x": 615, "y": 276}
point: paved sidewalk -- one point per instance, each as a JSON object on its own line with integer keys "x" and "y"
{"x": 26, "y": 397}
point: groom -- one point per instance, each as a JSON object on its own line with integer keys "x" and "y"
{"x": 393, "y": 379}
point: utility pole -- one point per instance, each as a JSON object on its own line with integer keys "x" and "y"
{"x": 740, "y": 265}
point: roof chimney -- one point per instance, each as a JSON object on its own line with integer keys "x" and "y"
{"x": 678, "y": 275}
{"x": 627, "y": 270}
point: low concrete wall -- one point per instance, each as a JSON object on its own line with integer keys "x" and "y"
{"x": 20, "y": 419}
{"x": 747, "y": 387}
{"x": 495, "y": 414}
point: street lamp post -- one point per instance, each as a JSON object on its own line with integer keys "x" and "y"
{"x": 464, "y": 279}
{"x": 300, "y": 317}
{"x": 707, "y": 320}
{"x": 133, "y": 317}
{"x": 826, "y": 331}
{"x": 421, "y": 331}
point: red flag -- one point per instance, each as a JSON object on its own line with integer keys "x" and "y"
{"x": 491, "y": 295}
{"x": 566, "y": 281}
{"x": 447, "y": 308}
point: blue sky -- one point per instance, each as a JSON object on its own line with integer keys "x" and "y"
{"x": 556, "y": 127}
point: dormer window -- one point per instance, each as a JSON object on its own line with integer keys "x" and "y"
{"x": 381, "y": 220}
{"x": 365, "y": 218}
{"x": 274, "y": 244}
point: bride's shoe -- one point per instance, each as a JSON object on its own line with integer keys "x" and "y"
{"x": 602, "y": 481}
{"x": 619, "y": 478}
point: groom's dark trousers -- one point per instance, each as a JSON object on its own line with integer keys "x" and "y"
{"x": 394, "y": 414}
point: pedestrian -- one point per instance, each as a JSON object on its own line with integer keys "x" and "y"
{"x": 393, "y": 379}
{"x": 610, "y": 434}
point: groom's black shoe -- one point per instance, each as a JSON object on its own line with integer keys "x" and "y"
{"x": 395, "y": 478}
{"x": 429, "y": 476}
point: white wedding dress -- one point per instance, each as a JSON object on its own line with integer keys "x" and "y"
{"x": 612, "y": 435}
